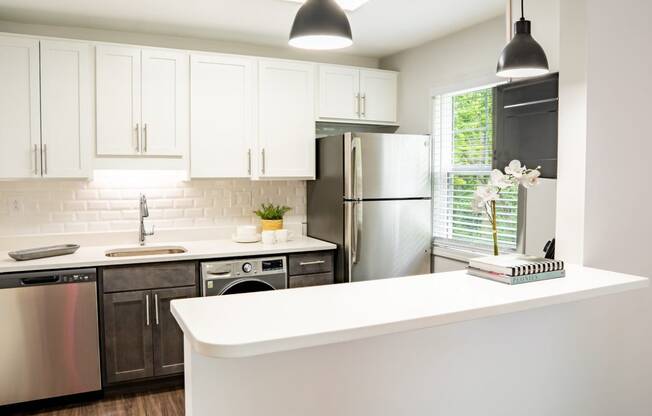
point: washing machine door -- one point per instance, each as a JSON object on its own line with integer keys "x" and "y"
{"x": 246, "y": 286}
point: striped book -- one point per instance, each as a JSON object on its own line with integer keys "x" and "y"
{"x": 516, "y": 264}
{"x": 516, "y": 280}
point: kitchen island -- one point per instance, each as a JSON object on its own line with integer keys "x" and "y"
{"x": 440, "y": 344}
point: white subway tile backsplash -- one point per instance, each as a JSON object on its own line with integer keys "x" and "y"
{"x": 101, "y": 206}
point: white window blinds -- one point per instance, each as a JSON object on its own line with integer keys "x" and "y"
{"x": 463, "y": 138}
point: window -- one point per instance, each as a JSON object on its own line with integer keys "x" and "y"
{"x": 462, "y": 141}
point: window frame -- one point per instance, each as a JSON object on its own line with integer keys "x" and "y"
{"x": 466, "y": 251}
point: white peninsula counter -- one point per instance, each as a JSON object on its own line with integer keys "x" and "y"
{"x": 408, "y": 346}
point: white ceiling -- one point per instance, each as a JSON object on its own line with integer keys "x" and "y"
{"x": 380, "y": 27}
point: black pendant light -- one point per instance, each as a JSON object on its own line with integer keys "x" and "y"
{"x": 321, "y": 24}
{"x": 523, "y": 56}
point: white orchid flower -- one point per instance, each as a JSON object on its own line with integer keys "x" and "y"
{"x": 478, "y": 204}
{"x": 515, "y": 169}
{"x": 530, "y": 179}
{"x": 487, "y": 193}
{"x": 500, "y": 180}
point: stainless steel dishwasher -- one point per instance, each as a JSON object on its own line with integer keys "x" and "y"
{"x": 49, "y": 341}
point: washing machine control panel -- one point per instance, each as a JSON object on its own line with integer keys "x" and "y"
{"x": 273, "y": 265}
{"x": 247, "y": 267}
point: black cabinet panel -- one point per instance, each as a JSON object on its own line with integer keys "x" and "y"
{"x": 527, "y": 124}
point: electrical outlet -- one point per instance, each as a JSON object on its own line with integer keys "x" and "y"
{"x": 15, "y": 206}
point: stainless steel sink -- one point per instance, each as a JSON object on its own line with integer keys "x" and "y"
{"x": 145, "y": 251}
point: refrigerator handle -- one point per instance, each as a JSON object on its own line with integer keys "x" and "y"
{"x": 356, "y": 168}
{"x": 355, "y": 234}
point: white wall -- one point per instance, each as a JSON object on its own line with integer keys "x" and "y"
{"x": 464, "y": 56}
{"x": 544, "y": 15}
{"x": 571, "y": 168}
{"x": 604, "y": 143}
{"x": 618, "y": 224}
{"x": 185, "y": 43}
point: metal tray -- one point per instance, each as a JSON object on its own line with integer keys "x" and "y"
{"x": 43, "y": 252}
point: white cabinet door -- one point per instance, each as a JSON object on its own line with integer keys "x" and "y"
{"x": 164, "y": 103}
{"x": 379, "y": 95}
{"x": 339, "y": 92}
{"x": 66, "y": 112}
{"x": 20, "y": 134}
{"x": 222, "y": 121}
{"x": 118, "y": 101}
{"x": 286, "y": 119}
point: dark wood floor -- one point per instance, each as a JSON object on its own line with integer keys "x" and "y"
{"x": 161, "y": 403}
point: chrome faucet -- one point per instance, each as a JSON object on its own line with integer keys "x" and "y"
{"x": 144, "y": 213}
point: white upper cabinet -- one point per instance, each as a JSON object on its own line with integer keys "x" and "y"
{"x": 378, "y": 95}
{"x": 222, "y": 121}
{"x": 142, "y": 102}
{"x": 164, "y": 103}
{"x": 66, "y": 109}
{"x": 19, "y": 108}
{"x": 118, "y": 101}
{"x": 357, "y": 94}
{"x": 286, "y": 132}
{"x": 339, "y": 92}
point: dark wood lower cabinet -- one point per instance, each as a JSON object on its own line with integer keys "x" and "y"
{"x": 167, "y": 336}
{"x": 141, "y": 339}
{"x": 127, "y": 336}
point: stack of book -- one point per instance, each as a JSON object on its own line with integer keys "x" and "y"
{"x": 515, "y": 269}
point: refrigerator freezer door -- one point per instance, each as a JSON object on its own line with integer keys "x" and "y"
{"x": 387, "y": 239}
{"x": 386, "y": 166}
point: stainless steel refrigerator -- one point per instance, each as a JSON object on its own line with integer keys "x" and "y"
{"x": 372, "y": 197}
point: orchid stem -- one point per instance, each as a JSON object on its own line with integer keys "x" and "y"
{"x": 494, "y": 227}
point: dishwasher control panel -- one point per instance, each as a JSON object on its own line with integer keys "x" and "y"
{"x": 77, "y": 277}
{"x": 51, "y": 277}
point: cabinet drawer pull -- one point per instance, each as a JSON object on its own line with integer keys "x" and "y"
{"x": 145, "y": 138}
{"x": 357, "y": 105}
{"x": 263, "y": 164}
{"x": 312, "y": 263}
{"x": 44, "y": 156}
{"x": 147, "y": 310}
{"x": 35, "y": 160}
{"x": 137, "y": 137}
{"x": 156, "y": 308}
{"x": 249, "y": 162}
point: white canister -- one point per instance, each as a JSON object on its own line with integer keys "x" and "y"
{"x": 269, "y": 237}
{"x": 282, "y": 236}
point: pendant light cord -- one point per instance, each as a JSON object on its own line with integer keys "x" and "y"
{"x": 522, "y": 13}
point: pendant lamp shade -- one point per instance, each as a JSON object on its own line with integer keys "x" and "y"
{"x": 321, "y": 24}
{"x": 523, "y": 56}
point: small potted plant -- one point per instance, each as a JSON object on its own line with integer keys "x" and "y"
{"x": 271, "y": 216}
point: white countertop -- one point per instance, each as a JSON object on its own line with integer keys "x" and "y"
{"x": 266, "y": 322}
{"x": 93, "y": 256}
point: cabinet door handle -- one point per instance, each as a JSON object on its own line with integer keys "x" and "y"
{"x": 312, "y": 263}
{"x": 147, "y": 310}
{"x": 249, "y": 162}
{"x": 263, "y": 164}
{"x": 364, "y": 105}
{"x": 145, "y": 138}
{"x": 137, "y": 137}
{"x": 357, "y": 104}
{"x": 156, "y": 308}
{"x": 44, "y": 157}
{"x": 35, "y": 159}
